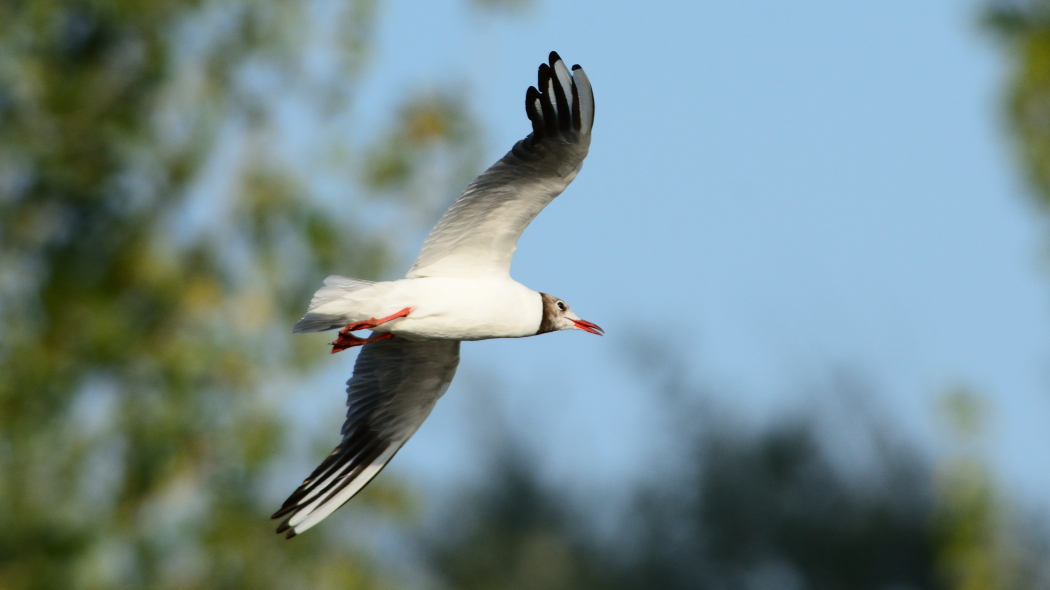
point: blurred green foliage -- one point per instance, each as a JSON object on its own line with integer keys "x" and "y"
{"x": 155, "y": 245}
{"x": 982, "y": 544}
{"x": 1024, "y": 28}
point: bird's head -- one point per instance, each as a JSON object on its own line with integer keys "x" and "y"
{"x": 557, "y": 315}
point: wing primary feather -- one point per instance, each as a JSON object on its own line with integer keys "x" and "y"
{"x": 538, "y": 105}
{"x": 337, "y": 483}
{"x": 336, "y": 460}
{"x": 586, "y": 97}
{"x": 306, "y": 506}
{"x": 339, "y": 471}
{"x": 372, "y": 464}
{"x": 550, "y": 112}
{"x": 368, "y": 456}
{"x": 358, "y": 483}
{"x": 546, "y": 85}
{"x": 552, "y": 97}
{"x": 535, "y": 111}
{"x": 347, "y": 449}
{"x": 577, "y": 122}
{"x": 561, "y": 84}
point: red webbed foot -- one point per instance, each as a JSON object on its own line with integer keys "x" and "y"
{"x": 348, "y": 340}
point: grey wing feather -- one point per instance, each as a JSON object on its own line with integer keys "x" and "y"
{"x": 479, "y": 233}
{"x": 395, "y": 386}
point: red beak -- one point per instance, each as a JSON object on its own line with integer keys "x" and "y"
{"x": 589, "y": 327}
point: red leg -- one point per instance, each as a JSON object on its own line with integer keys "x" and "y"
{"x": 372, "y": 323}
{"x": 348, "y": 340}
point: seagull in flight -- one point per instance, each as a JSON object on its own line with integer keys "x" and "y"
{"x": 458, "y": 289}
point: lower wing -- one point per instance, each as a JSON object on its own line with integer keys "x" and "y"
{"x": 395, "y": 386}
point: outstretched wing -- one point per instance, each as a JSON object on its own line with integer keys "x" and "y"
{"x": 395, "y": 386}
{"x": 479, "y": 233}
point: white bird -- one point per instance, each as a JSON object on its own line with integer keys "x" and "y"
{"x": 458, "y": 289}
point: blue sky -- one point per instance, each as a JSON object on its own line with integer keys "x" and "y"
{"x": 775, "y": 192}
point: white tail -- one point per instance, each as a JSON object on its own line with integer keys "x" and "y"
{"x": 335, "y": 287}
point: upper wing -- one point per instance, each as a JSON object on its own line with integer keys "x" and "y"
{"x": 479, "y": 233}
{"x": 395, "y": 385}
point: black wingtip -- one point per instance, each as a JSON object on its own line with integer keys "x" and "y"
{"x": 290, "y": 534}
{"x": 577, "y": 113}
{"x": 554, "y": 105}
{"x": 560, "y": 98}
{"x": 543, "y": 75}
{"x": 550, "y": 114}
{"x": 284, "y": 526}
{"x": 284, "y": 511}
{"x": 532, "y": 97}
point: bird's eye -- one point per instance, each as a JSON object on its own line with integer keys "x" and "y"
{"x": 561, "y": 305}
